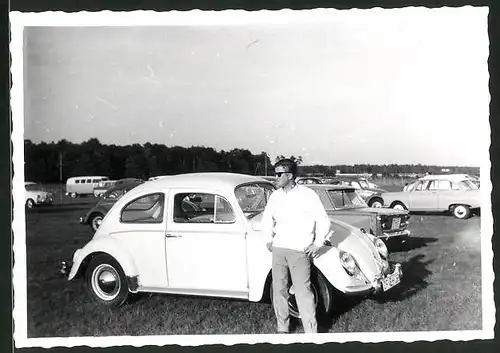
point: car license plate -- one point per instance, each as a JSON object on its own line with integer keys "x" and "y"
{"x": 396, "y": 222}
{"x": 390, "y": 281}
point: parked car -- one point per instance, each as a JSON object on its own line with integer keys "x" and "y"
{"x": 96, "y": 214}
{"x": 365, "y": 189}
{"x": 102, "y": 187}
{"x": 34, "y": 195}
{"x": 345, "y": 204}
{"x": 154, "y": 240}
{"x": 308, "y": 180}
{"x": 437, "y": 193}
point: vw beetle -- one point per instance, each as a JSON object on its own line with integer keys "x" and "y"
{"x": 200, "y": 234}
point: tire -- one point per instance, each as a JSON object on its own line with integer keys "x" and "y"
{"x": 398, "y": 206}
{"x": 323, "y": 296}
{"x": 30, "y": 204}
{"x": 73, "y": 195}
{"x": 461, "y": 211}
{"x": 376, "y": 202}
{"x": 95, "y": 221}
{"x": 105, "y": 281}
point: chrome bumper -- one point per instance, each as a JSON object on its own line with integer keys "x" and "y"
{"x": 396, "y": 271}
{"x": 402, "y": 234}
{"x": 65, "y": 268}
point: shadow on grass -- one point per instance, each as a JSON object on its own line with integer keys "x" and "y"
{"x": 413, "y": 281}
{"x": 411, "y": 243}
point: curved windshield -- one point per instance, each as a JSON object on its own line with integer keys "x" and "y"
{"x": 346, "y": 199}
{"x": 253, "y": 198}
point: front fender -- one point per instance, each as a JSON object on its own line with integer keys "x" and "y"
{"x": 106, "y": 245}
{"x": 329, "y": 265}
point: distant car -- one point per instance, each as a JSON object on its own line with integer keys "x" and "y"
{"x": 34, "y": 195}
{"x": 308, "y": 180}
{"x": 154, "y": 240}
{"x": 365, "y": 189}
{"x": 96, "y": 214}
{"x": 344, "y": 203}
{"x": 437, "y": 193}
{"x": 102, "y": 187}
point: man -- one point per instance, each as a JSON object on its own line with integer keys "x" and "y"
{"x": 297, "y": 225}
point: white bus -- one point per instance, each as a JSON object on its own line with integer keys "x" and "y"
{"x": 83, "y": 185}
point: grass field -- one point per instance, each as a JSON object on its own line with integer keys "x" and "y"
{"x": 441, "y": 288}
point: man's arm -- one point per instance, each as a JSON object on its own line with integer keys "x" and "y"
{"x": 267, "y": 222}
{"x": 322, "y": 226}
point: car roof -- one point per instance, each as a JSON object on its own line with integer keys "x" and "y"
{"x": 214, "y": 180}
{"x": 445, "y": 177}
{"x": 329, "y": 186}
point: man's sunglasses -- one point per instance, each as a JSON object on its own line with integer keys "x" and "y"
{"x": 279, "y": 174}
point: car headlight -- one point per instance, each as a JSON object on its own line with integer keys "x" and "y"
{"x": 348, "y": 263}
{"x": 381, "y": 248}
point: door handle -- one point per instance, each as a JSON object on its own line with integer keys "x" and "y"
{"x": 168, "y": 235}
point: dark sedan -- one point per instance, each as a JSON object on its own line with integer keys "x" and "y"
{"x": 94, "y": 217}
{"x": 345, "y": 204}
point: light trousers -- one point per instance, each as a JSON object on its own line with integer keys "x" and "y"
{"x": 298, "y": 264}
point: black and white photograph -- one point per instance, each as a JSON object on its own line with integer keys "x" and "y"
{"x": 225, "y": 177}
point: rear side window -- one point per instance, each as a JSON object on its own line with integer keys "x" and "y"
{"x": 145, "y": 209}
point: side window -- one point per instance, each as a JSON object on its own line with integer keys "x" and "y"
{"x": 146, "y": 209}
{"x": 77, "y": 181}
{"x": 202, "y": 208}
{"x": 89, "y": 181}
{"x": 96, "y": 180}
{"x": 434, "y": 185}
{"x": 421, "y": 185}
{"x": 444, "y": 185}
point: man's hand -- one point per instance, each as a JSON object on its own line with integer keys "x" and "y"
{"x": 269, "y": 246}
{"x": 312, "y": 250}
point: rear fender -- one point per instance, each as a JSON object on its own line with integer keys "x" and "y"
{"x": 102, "y": 245}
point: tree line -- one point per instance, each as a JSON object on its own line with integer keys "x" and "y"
{"x": 57, "y": 161}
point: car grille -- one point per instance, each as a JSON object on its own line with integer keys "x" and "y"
{"x": 390, "y": 223}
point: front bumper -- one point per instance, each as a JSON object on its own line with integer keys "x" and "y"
{"x": 394, "y": 277}
{"x": 65, "y": 268}
{"x": 398, "y": 234}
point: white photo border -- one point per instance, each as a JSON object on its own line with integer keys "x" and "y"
{"x": 21, "y": 20}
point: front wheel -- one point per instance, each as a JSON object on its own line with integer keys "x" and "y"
{"x": 323, "y": 296}
{"x": 398, "y": 206}
{"x": 95, "y": 221}
{"x": 461, "y": 211}
{"x": 376, "y": 203}
{"x": 105, "y": 281}
{"x": 30, "y": 204}
{"x": 73, "y": 195}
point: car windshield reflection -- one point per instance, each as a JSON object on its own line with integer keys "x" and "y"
{"x": 253, "y": 198}
{"x": 343, "y": 199}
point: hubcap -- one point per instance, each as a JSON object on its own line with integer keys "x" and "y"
{"x": 460, "y": 211}
{"x": 377, "y": 204}
{"x": 96, "y": 222}
{"x": 398, "y": 207}
{"x": 30, "y": 204}
{"x": 106, "y": 282}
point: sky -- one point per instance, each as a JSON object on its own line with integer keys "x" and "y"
{"x": 366, "y": 87}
